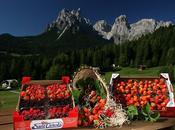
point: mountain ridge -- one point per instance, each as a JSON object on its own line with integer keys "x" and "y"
{"x": 71, "y": 30}
{"x": 119, "y": 32}
{"x": 122, "y": 31}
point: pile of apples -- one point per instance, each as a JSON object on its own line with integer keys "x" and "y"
{"x": 139, "y": 93}
{"x": 57, "y": 92}
{"x": 33, "y": 114}
{"x": 59, "y": 112}
{"x": 91, "y": 112}
{"x": 33, "y": 93}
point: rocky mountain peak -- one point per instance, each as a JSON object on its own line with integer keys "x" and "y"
{"x": 122, "y": 31}
{"x": 102, "y": 27}
{"x": 121, "y": 19}
{"x": 65, "y": 13}
{"x": 67, "y": 18}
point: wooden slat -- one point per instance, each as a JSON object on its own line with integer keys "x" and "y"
{"x": 6, "y": 127}
{"x": 5, "y": 120}
{"x": 136, "y": 125}
{"x": 6, "y": 112}
{"x": 44, "y": 82}
{"x": 140, "y": 77}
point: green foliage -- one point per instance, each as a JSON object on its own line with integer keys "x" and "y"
{"x": 116, "y": 68}
{"x": 94, "y": 84}
{"x": 76, "y": 94}
{"x": 145, "y": 113}
{"x": 150, "y": 115}
{"x": 38, "y": 58}
{"x": 99, "y": 89}
{"x": 3, "y": 70}
{"x": 171, "y": 56}
{"x": 132, "y": 112}
{"x": 47, "y": 43}
{"x": 53, "y": 72}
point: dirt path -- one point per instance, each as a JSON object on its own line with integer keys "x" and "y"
{"x": 13, "y": 91}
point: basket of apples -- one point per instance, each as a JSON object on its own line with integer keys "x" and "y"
{"x": 140, "y": 91}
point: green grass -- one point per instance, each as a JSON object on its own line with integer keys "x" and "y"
{"x": 127, "y": 71}
{"x": 8, "y": 99}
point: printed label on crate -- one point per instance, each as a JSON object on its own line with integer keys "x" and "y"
{"x": 46, "y": 124}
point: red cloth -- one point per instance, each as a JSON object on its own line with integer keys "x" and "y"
{"x": 17, "y": 117}
{"x": 65, "y": 79}
{"x": 25, "y": 79}
{"x": 74, "y": 112}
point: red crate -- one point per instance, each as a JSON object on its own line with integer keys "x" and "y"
{"x": 66, "y": 122}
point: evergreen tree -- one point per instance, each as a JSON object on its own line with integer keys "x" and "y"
{"x": 139, "y": 55}
{"x": 53, "y": 72}
{"x": 171, "y": 56}
{"x": 27, "y": 70}
{"x": 3, "y": 71}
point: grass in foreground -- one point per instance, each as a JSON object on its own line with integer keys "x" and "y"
{"x": 9, "y": 100}
{"x": 127, "y": 71}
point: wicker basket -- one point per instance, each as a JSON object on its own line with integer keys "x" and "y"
{"x": 89, "y": 72}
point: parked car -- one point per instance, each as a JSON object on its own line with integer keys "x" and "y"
{"x": 9, "y": 84}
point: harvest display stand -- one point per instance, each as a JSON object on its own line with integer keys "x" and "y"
{"x": 20, "y": 123}
{"x": 71, "y": 121}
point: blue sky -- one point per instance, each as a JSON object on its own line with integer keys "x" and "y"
{"x": 30, "y": 17}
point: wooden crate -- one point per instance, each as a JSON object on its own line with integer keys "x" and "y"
{"x": 170, "y": 108}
